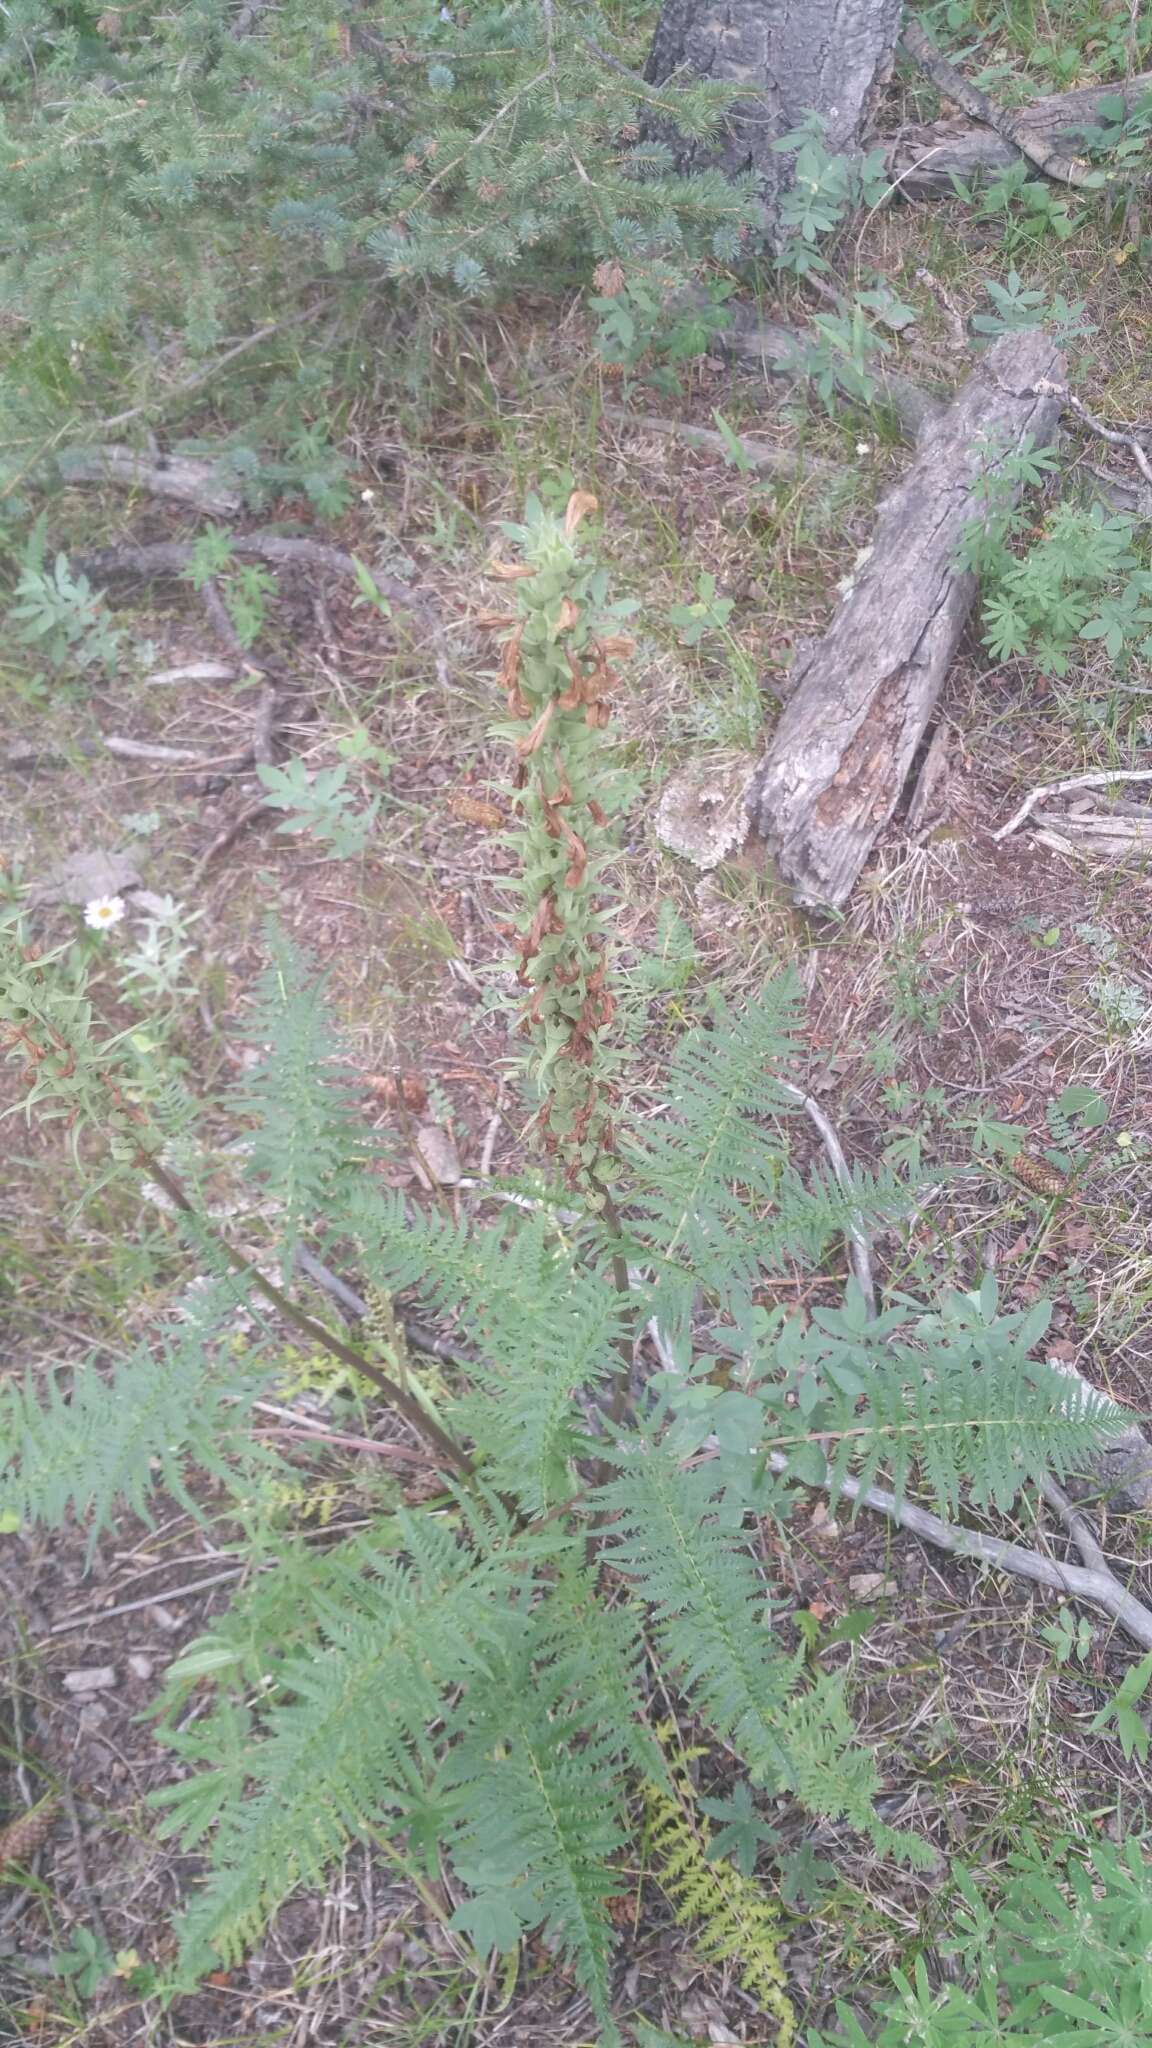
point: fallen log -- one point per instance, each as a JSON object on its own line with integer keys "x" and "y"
{"x": 770, "y": 458}
{"x": 864, "y": 693}
{"x": 151, "y": 560}
{"x": 779, "y": 352}
{"x": 923, "y": 163}
{"x": 182, "y": 477}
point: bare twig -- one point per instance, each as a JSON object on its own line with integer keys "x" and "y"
{"x": 153, "y": 750}
{"x": 1063, "y": 788}
{"x": 228, "y": 836}
{"x": 1098, "y": 1586}
{"x": 1116, "y": 437}
{"x": 92, "y": 1615}
{"x": 212, "y": 598}
{"x": 418, "y": 1335}
{"x": 859, "y": 1248}
{"x": 213, "y": 369}
{"x": 247, "y": 17}
{"x": 83, "y": 1880}
{"x": 451, "y": 1454}
{"x": 490, "y": 1137}
{"x": 264, "y": 725}
{"x": 303, "y": 1429}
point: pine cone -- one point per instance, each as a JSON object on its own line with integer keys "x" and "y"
{"x": 21, "y": 1838}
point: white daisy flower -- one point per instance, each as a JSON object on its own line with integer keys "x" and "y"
{"x": 367, "y": 497}
{"x": 102, "y": 912}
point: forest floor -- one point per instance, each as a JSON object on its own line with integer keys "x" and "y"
{"x": 968, "y": 981}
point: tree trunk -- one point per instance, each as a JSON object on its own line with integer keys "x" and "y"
{"x": 794, "y": 57}
{"x": 838, "y": 760}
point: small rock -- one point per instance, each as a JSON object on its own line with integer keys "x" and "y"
{"x": 93, "y": 1716}
{"x": 165, "y": 1619}
{"x": 140, "y": 1667}
{"x": 435, "y": 1158}
{"x": 94, "y": 1678}
{"x": 85, "y": 876}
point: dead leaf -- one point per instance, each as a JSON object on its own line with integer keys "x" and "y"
{"x": 509, "y": 572}
{"x": 476, "y": 810}
{"x": 580, "y": 504}
{"x": 863, "y": 1585}
{"x": 407, "y": 1090}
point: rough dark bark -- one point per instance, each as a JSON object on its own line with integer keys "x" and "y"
{"x": 922, "y": 162}
{"x": 863, "y": 696}
{"x": 795, "y": 57}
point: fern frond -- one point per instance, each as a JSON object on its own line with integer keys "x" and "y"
{"x": 540, "y": 1774}
{"x": 308, "y": 1132}
{"x": 544, "y": 1325}
{"x": 955, "y": 1400}
{"x": 731, "y": 1918}
{"x": 712, "y": 1199}
{"x": 346, "y": 1742}
{"x": 89, "y": 1442}
{"x": 713, "y": 1622}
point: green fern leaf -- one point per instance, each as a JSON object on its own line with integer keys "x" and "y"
{"x": 308, "y": 1133}
{"x": 90, "y": 1442}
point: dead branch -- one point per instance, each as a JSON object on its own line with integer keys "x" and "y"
{"x": 228, "y": 836}
{"x": 863, "y": 695}
{"x": 200, "y": 377}
{"x": 1070, "y": 782}
{"x": 1097, "y": 1585}
{"x": 926, "y": 162}
{"x": 1013, "y": 128}
{"x": 779, "y": 353}
{"x": 1116, "y": 437}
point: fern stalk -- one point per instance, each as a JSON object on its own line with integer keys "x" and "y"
{"x": 51, "y": 1030}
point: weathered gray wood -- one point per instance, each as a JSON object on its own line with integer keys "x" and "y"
{"x": 863, "y": 695}
{"x": 794, "y": 57}
{"x": 778, "y": 351}
{"x": 922, "y": 162}
{"x": 182, "y": 477}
